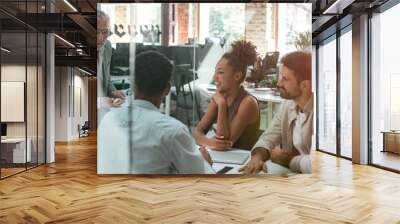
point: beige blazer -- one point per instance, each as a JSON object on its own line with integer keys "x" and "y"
{"x": 280, "y": 131}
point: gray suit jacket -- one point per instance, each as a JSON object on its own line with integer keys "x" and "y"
{"x": 106, "y": 83}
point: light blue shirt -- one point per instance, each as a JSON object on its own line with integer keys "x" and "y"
{"x": 153, "y": 144}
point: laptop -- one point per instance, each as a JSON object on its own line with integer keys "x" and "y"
{"x": 211, "y": 87}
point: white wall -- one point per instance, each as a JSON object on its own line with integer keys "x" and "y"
{"x": 17, "y": 73}
{"x": 80, "y": 108}
{"x": 71, "y": 102}
{"x": 61, "y": 86}
{"x": 14, "y": 73}
{"x": 33, "y": 126}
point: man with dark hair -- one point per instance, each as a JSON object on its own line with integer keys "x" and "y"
{"x": 152, "y": 74}
{"x": 288, "y": 139}
{"x": 139, "y": 139}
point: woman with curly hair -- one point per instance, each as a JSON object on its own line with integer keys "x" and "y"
{"x": 235, "y": 111}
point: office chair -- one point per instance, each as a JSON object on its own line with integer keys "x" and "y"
{"x": 84, "y": 130}
{"x": 185, "y": 97}
{"x": 270, "y": 62}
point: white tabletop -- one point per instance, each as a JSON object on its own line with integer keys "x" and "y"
{"x": 265, "y": 95}
{"x": 272, "y": 168}
{"x": 13, "y": 140}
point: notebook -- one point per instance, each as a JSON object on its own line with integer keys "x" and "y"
{"x": 211, "y": 87}
{"x": 233, "y": 156}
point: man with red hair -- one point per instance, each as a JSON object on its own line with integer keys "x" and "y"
{"x": 288, "y": 139}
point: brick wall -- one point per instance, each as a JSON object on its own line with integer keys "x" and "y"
{"x": 183, "y": 22}
{"x": 255, "y": 29}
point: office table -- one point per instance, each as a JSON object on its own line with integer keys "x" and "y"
{"x": 272, "y": 168}
{"x": 391, "y": 141}
{"x": 16, "y": 147}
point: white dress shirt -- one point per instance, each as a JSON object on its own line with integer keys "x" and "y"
{"x": 300, "y": 163}
{"x": 298, "y": 137}
{"x": 152, "y": 143}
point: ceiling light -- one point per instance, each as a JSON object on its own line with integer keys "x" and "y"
{"x": 5, "y": 49}
{"x": 338, "y": 6}
{"x": 86, "y": 72}
{"x": 70, "y": 5}
{"x": 65, "y": 41}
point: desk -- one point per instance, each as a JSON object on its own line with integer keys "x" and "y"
{"x": 15, "y": 148}
{"x": 272, "y": 168}
{"x": 391, "y": 141}
{"x": 266, "y": 95}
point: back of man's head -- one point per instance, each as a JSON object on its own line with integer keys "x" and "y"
{"x": 300, "y": 63}
{"x": 153, "y": 73}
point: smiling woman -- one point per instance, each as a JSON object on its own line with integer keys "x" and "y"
{"x": 234, "y": 110}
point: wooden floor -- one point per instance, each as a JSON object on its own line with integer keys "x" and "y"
{"x": 5, "y": 172}
{"x": 70, "y": 191}
{"x": 10, "y": 171}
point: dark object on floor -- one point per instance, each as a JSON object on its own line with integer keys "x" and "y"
{"x": 84, "y": 130}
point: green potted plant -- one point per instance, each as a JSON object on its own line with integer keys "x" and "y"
{"x": 268, "y": 83}
{"x": 303, "y": 41}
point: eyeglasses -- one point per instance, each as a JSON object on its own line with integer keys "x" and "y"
{"x": 104, "y": 32}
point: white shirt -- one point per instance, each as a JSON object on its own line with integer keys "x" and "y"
{"x": 153, "y": 144}
{"x": 300, "y": 163}
{"x": 298, "y": 138}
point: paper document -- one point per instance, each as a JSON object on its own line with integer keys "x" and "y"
{"x": 233, "y": 156}
{"x": 211, "y": 88}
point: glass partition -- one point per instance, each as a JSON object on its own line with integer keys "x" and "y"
{"x": 14, "y": 142}
{"x": 22, "y": 90}
{"x": 385, "y": 88}
{"x": 41, "y": 87}
{"x": 193, "y": 37}
{"x": 346, "y": 93}
{"x": 32, "y": 98}
{"x": 327, "y": 96}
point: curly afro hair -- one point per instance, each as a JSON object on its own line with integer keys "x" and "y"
{"x": 242, "y": 54}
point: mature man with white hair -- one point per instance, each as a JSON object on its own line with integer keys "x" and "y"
{"x": 108, "y": 95}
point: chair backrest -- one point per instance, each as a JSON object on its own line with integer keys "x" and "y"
{"x": 182, "y": 76}
{"x": 120, "y": 55}
{"x": 270, "y": 60}
{"x": 86, "y": 125}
